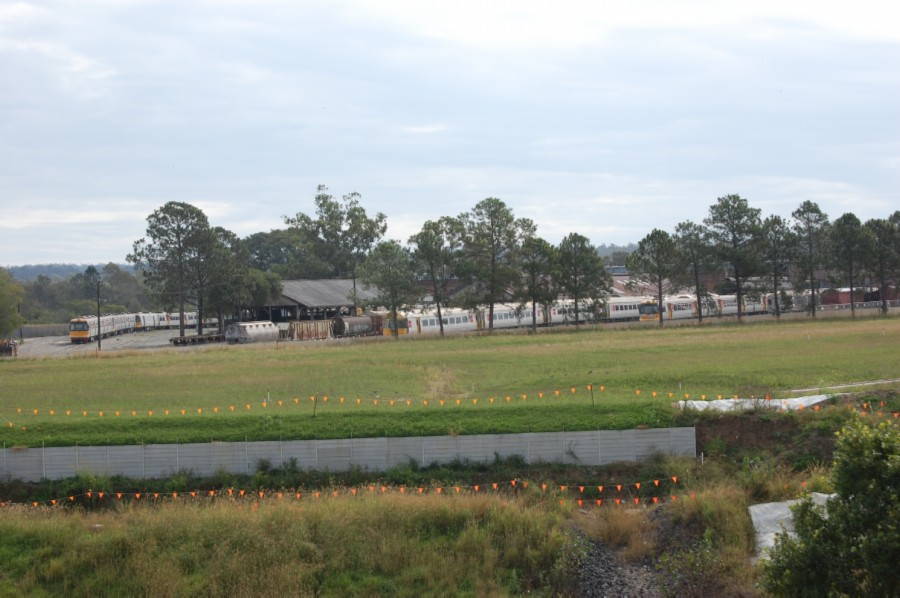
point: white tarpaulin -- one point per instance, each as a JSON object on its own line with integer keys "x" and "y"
{"x": 771, "y": 518}
{"x": 751, "y": 404}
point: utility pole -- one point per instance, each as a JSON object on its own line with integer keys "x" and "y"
{"x": 99, "y": 330}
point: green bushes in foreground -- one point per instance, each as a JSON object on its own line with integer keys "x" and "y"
{"x": 851, "y": 546}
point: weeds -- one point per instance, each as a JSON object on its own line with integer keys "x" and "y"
{"x": 376, "y": 546}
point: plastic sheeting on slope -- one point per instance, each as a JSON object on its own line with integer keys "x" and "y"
{"x": 751, "y": 404}
{"x": 771, "y": 518}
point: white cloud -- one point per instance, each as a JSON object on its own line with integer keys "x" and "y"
{"x": 77, "y": 73}
{"x": 15, "y": 219}
{"x": 425, "y": 129}
{"x": 20, "y": 13}
{"x": 595, "y": 117}
{"x": 527, "y": 24}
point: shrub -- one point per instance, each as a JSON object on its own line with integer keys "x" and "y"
{"x": 852, "y": 545}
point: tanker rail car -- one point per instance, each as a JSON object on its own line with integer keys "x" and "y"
{"x": 365, "y": 325}
{"x": 251, "y": 332}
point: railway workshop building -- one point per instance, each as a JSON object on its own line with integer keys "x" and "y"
{"x": 313, "y": 300}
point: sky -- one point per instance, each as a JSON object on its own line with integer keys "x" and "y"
{"x": 602, "y": 118}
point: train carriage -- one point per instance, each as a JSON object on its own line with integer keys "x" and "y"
{"x": 85, "y": 329}
{"x": 626, "y": 309}
{"x": 426, "y": 322}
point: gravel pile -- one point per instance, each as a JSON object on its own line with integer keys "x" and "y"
{"x": 603, "y": 575}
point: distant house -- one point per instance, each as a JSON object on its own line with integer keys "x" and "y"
{"x": 313, "y": 300}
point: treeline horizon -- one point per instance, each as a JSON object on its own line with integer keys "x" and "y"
{"x": 185, "y": 261}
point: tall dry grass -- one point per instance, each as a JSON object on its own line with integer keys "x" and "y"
{"x": 630, "y": 531}
{"x": 372, "y": 546}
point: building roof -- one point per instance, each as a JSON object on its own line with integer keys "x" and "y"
{"x": 332, "y": 292}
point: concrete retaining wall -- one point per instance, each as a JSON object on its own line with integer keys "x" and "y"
{"x": 375, "y": 454}
{"x": 38, "y": 330}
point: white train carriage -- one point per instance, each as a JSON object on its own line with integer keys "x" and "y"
{"x": 85, "y": 329}
{"x": 543, "y": 314}
{"x": 625, "y": 309}
{"x": 190, "y": 319}
{"x": 506, "y": 315}
{"x": 679, "y": 307}
{"x": 751, "y": 305}
{"x": 727, "y": 304}
{"x": 426, "y": 322}
{"x": 755, "y": 304}
{"x": 787, "y": 301}
{"x": 146, "y": 321}
{"x": 563, "y": 311}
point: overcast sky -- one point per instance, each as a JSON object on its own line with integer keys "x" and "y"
{"x": 598, "y": 117}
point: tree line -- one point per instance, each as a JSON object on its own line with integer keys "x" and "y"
{"x": 494, "y": 257}
{"x": 735, "y": 240}
{"x": 502, "y": 257}
{"x": 45, "y": 300}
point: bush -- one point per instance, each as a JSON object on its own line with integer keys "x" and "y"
{"x": 852, "y": 545}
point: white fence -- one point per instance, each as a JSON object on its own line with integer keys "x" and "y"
{"x": 596, "y": 447}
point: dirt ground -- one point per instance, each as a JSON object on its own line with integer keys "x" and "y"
{"x": 61, "y": 346}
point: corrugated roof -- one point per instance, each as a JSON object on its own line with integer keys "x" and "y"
{"x": 324, "y": 293}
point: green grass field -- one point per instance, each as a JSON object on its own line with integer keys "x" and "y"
{"x": 402, "y": 375}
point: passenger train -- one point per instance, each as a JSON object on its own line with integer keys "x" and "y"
{"x": 684, "y": 307}
{"x": 613, "y": 309}
{"x": 85, "y": 329}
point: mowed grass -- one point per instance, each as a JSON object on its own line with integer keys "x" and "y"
{"x": 374, "y": 546}
{"x": 402, "y": 375}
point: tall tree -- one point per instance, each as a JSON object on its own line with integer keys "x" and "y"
{"x": 83, "y": 285}
{"x": 778, "y": 247}
{"x": 656, "y": 261}
{"x": 811, "y": 228}
{"x": 390, "y": 271}
{"x": 206, "y": 270}
{"x": 125, "y": 288}
{"x": 11, "y": 295}
{"x": 849, "y": 246}
{"x": 734, "y": 230}
{"x": 341, "y": 234}
{"x": 538, "y": 259}
{"x": 581, "y": 271}
{"x": 895, "y": 220}
{"x": 883, "y": 258}
{"x": 262, "y": 288}
{"x": 492, "y": 235}
{"x": 286, "y": 252}
{"x": 437, "y": 255}
{"x": 696, "y": 259}
{"x": 228, "y": 267}
{"x": 361, "y": 233}
{"x": 168, "y": 253}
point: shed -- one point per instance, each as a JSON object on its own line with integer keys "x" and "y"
{"x": 314, "y": 299}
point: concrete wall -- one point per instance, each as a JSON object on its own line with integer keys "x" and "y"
{"x": 375, "y": 454}
{"x": 38, "y": 330}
